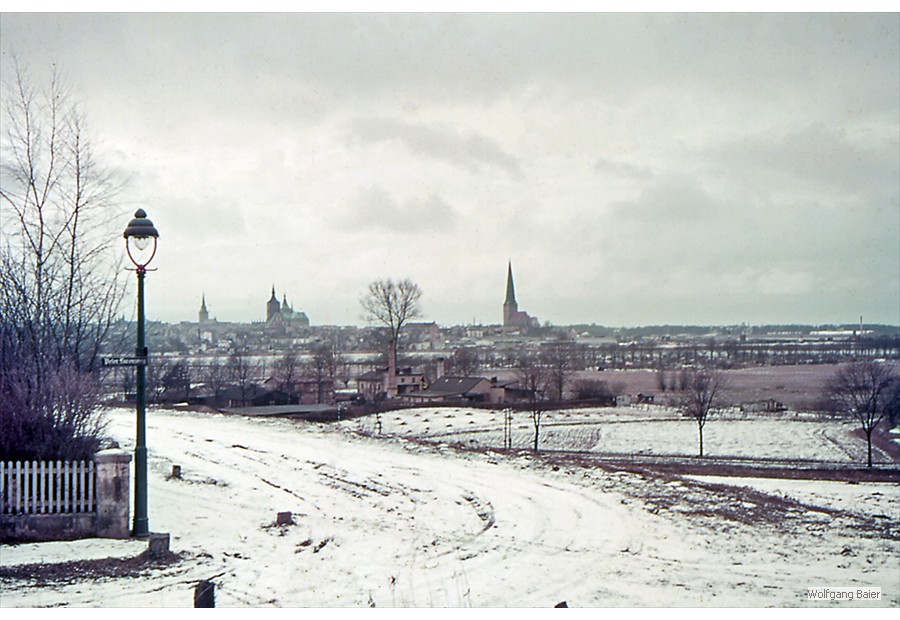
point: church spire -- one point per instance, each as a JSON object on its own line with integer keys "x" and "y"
{"x": 510, "y": 288}
{"x": 203, "y": 315}
{"x": 510, "y": 307}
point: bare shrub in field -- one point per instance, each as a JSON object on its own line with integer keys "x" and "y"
{"x": 598, "y": 389}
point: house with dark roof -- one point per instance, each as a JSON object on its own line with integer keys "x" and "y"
{"x": 461, "y": 390}
{"x": 252, "y": 395}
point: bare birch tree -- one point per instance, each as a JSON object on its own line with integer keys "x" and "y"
{"x": 59, "y": 281}
{"x": 701, "y": 394}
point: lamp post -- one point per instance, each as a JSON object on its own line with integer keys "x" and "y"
{"x": 140, "y": 243}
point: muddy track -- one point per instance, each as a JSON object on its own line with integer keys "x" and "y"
{"x": 732, "y": 467}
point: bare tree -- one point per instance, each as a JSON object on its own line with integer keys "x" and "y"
{"x": 59, "y": 282}
{"x": 157, "y": 368}
{"x": 392, "y": 305}
{"x": 322, "y": 367}
{"x": 682, "y": 380}
{"x": 532, "y": 378}
{"x": 662, "y": 378}
{"x": 241, "y": 371}
{"x": 126, "y": 380}
{"x": 215, "y": 375}
{"x": 177, "y": 382}
{"x": 286, "y": 370}
{"x": 893, "y": 404}
{"x": 558, "y": 358}
{"x": 463, "y": 362}
{"x": 866, "y": 391}
{"x": 701, "y": 395}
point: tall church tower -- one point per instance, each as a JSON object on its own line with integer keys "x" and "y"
{"x": 273, "y": 307}
{"x": 203, "y": 315}
{"x": 510, "y": 307}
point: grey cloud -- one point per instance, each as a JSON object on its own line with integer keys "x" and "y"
{"x": 816, "y": 155}
{"x": 673, "y": 197}
{"x": 375, "y": 208}
{"x": 470, "y": 152}
{"x": 623, "y": 169}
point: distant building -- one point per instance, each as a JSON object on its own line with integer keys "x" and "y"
{"x": 373, "y": 385}
{"x": 462, "y": 390}
{"x": 280, "y": 313}
{"x": 273, "y": 307}
{"x": 203, "y": 315}
{"x": 423, "y": 336}
{"x": 207, "y": 332}
{"x": 513, "y": 318}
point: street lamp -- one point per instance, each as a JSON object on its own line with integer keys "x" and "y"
{"x": 140, "y": 243}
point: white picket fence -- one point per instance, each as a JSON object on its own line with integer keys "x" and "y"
{"x": 42, "y": 487}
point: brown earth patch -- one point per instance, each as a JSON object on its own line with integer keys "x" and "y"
{"x": 82, "y": 570}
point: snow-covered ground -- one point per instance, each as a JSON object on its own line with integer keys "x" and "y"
{"x": 392, "y": 522}
{"x": 651, "y": 430}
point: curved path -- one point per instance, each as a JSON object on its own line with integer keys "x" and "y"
{"x": 393, "y": 523}
{"x": 390, "y": 524}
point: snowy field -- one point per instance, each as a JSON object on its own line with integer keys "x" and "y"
{"x": 392, "y": 523}
{"x": 650, "y": 430}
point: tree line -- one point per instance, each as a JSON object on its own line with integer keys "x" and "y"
{"x": 237, "y": 375}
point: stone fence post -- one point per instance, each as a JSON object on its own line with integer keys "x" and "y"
{"x": 113, "y": 468}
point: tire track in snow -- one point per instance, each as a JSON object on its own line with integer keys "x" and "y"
{"x": 448, "y": 528}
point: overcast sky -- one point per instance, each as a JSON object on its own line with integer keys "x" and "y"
{"x": 636, "y": 169}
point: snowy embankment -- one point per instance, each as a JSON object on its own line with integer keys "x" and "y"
{"x": 392, "y": 523}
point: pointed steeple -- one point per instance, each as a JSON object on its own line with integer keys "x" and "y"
{"x": 510, "y": 307}
{"x": 203, "y": 315}
{"x": 273, "y": 307}
{"x": 510, "y": 287}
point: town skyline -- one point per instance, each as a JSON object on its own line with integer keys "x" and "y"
{"x": 635, "y": 169}
{"x": 299, "y": 318}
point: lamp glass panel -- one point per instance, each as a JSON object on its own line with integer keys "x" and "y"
{"x": 141, "y": 249}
